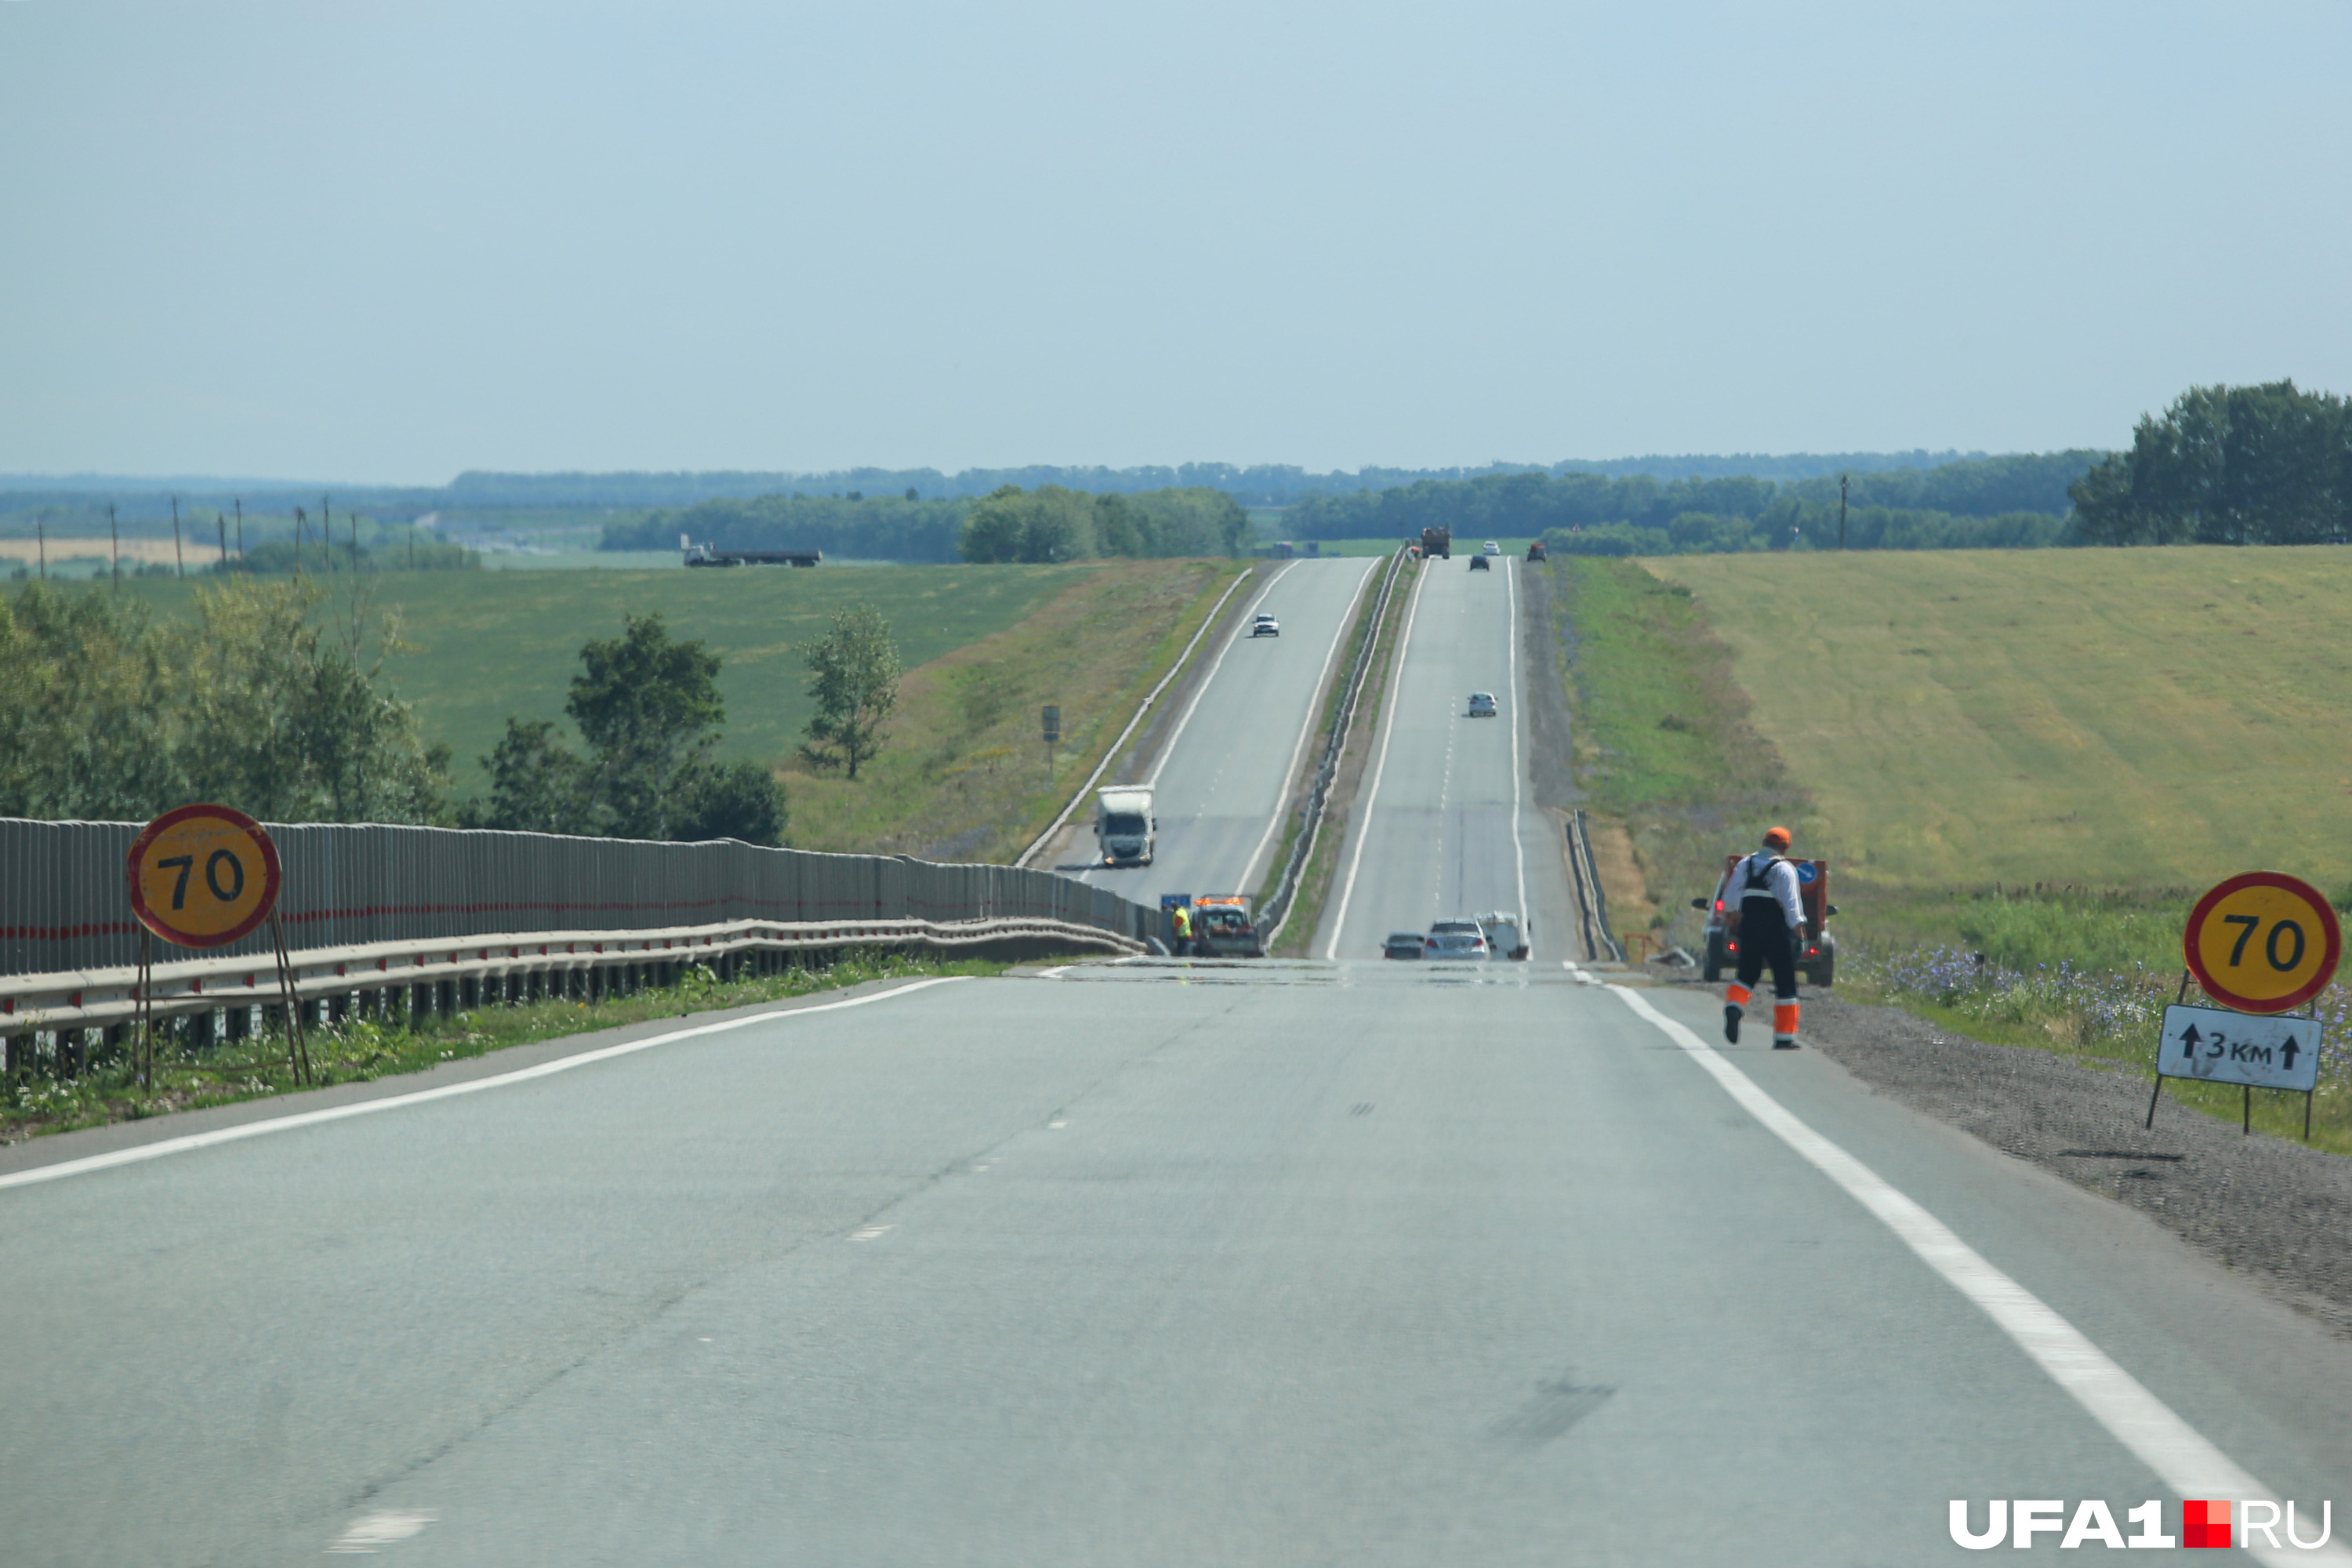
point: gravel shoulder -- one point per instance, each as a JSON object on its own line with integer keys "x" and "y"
{"x": 2271, "y": 1210}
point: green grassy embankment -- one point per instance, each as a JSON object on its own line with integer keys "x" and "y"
{"x": 964, "y": 775}
{"x": 491, "y": 644}
{"x": 2036, "y": 756}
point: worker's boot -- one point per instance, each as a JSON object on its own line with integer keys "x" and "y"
{"x": 1735, "y": 1003}
{"x": 1784, "y": 1026}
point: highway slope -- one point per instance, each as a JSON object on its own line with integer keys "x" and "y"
{"x": 1446, "y": 824}
{"x": 1140, "y": 1262}
{"x": 1226, "y": 769}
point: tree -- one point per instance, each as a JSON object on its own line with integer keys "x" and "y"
{"x": 854, "y": 677}
{"x": 2227, "y": 465}
{"x": 738, "y": 800}
{"x": 649, "y": 708}
{"x": 106, "y": 713}
{"x": 536, "y": 784}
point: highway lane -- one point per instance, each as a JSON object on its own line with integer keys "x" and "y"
{"x": 1445, "y": 824}
{"x": 1221, "y": 782}
{"x": 1264, "y": 1265}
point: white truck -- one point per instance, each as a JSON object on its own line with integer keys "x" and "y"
{"x": 1124, "y": 826}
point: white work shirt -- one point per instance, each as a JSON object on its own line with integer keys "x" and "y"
{"x": 1779, "y": 882}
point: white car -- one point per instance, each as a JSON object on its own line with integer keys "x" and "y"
{"x": 1481, "y": 705}
{"x": 1490, "y": 548}
{"x": 1266, "y": 626}
{"x": 1456, "y": 938}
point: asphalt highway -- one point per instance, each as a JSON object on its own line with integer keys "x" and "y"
{"x": 1220, "y": 786}
{"x": 1147, "y": 1262}
{"x": 1444, "y": 824}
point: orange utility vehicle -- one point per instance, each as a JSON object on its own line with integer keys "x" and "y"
{"x": 1222, "y": 925}
{"x": 1816, "y": 949}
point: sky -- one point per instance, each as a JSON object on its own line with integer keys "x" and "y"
{"x": 383, "y": 243}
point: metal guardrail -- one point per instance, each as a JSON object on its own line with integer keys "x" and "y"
{"x": 368, "y": 907}
{"x": 1276, "y": 911}
{"x": 440, "y": 975}
{"x": 1591, "y": 901}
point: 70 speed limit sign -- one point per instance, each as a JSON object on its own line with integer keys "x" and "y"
{"x": 2263, "y": 942}
{"x": 202, "y": 876}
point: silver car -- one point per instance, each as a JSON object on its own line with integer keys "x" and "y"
{"x": 1455, "y": 939}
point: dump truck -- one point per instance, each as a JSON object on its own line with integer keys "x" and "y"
{"x": 1437, "y": 543}
{"x": 1125, "y": 829}
{"x": 1816, "y": 949}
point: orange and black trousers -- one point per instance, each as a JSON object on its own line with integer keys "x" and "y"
{"x": 1765, "y": 940}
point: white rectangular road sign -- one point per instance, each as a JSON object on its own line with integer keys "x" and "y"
{"x": 2222, "y": 1047}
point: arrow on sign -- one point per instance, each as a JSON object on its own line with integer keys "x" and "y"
{"x": 2290, "y": 1050}
{"x": 2189, "y": 1038}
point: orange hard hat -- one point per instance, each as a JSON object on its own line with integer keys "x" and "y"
{"x": 1778, "y": 837}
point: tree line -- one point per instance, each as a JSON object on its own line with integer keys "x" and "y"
{"x": 1048, "y": 524}
{"x": 2227, "y": 465}
{"x": 1976, "y": 503}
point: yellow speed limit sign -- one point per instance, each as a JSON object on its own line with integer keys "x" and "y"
{"x": 202, "y": 876}
{"x": 2263, "y": 942}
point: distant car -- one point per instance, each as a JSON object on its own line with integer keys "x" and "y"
{"x": 1455, "y": 939}
{"x": 1265, "y": 626}
{"x": 1504, "y": 939}
{"x": 1481, "y": 705}
{"x": 1402, "y": 944}
{"x": 1490, "y": 548}
{"x": 1479, "y": 563}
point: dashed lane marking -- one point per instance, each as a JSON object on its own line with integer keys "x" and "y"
{"x": 375, "y": 1532}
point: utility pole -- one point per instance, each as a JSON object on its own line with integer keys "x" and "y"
{"x": 1843, "y": 481}
{"x": 179, "y": 556}
{"x": 327, "y": 534}
{"x": 300, "y": 517}
{"x": 115, "y": 529}
{"x": 241, "y": 529}
{"x": 221, "y": 518}
{"x": 41, "y": 534}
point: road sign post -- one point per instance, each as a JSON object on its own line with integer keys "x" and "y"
{"x": 203, "y": 876}
{"x": 1053, "y": 734}
{"x": 2261, "y": 944}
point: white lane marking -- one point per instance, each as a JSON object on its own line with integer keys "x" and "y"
{"x": 1057, "y": 1124}
{"x": 1168, "y": 748}
{"x": 375, "y": 1532}
{"x": 195, "y": 1140}
{"x": 1054, "y": 973}
{"x": 1380, "y": 766}
{"x": 1511, "y": 657}
{"x": 2178, "y": 1454}
{"x": 1313, "y": 711}
{"x": 869, "y": 1232}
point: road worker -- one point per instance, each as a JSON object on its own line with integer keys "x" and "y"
{"x": 1183, "y": 932}
{"x": 1771, "y": 920}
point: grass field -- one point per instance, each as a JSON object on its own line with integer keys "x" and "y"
{"x": 2138, "y": 718}
{"x": 964, "y": 777}
{"x": 491, "y": 644}
{"x": 2022, "y": 765}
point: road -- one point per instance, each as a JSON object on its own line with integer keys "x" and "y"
{"x": 1220, "y": 784}
{"x": 1446, "y": 825}
{"x": 1343, "y": 1262}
